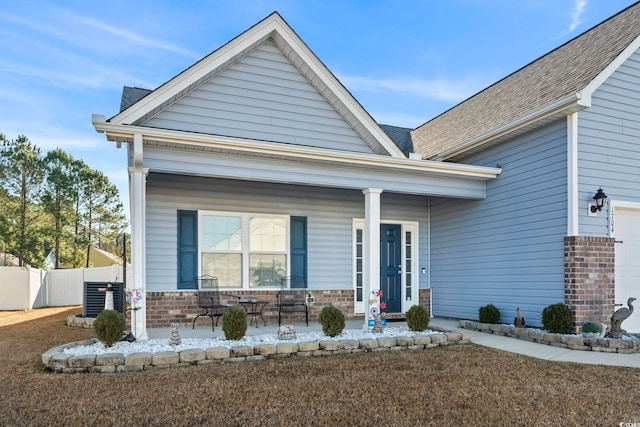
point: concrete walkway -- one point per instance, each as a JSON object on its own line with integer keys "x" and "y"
{"x": 541, "y": 351}
{"x": 513, "y": 345}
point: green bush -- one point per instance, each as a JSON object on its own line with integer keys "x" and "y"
{"x": 556, "y": 318}
{"x": 234, "y": 323}
{"x": 590, "y": 328}
{"x": 109, "y": 327}
{"x": 332, "y": 321}
{"x": 489, "y": 314}
{"x": 417, "y": 318}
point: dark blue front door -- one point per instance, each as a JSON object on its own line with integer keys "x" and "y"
{"x": 391, "y": 266}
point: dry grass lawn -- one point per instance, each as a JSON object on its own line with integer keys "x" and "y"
{"x": 457, "y": 385}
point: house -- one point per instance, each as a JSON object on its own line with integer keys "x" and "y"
{"x": 256, "y": 163}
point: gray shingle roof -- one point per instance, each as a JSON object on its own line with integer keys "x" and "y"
{"x": 400, "y": 136}
{"x": 565, "y": 70}
{"x": 131, "y": 95}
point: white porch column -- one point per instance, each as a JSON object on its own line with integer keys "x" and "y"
{"x": 138, "y": 196}
{"x": 371, "y": 246}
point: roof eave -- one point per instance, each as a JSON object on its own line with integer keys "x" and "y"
{"x": 564, "y": 106}
{"x": 124, "y": 133}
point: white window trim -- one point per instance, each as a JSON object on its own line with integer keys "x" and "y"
{"x": 413, "y": 226}
{"x": 246, "y": 250}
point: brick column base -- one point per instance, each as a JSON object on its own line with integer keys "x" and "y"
{"x": 589, "y": 278}
{"x": 424, "y": 299}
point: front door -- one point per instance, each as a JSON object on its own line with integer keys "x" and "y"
{"x": 391, "y": 266}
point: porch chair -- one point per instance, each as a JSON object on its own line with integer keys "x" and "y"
{"x": 211, "y": 303}
{"x": 292, "y": 297}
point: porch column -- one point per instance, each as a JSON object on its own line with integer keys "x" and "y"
{"x": 371, "y": 247}
{"x": 137, "y": 199}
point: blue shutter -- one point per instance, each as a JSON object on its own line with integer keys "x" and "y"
{"x": 187, "y": 249}
{"x": 298, "y": 231}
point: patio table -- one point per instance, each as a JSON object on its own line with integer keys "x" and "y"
{"x": 254, "y": 308}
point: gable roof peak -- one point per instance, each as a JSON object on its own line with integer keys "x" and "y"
{"x": 275, "y": 29}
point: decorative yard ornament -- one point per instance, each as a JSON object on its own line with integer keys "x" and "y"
{"x": 175, "y": 336}
{"x": 618, "y": 317}
{"x": 286, "y": 332}
{"x": 134, "y": 299}
{"x": 519, "y": 320}
{"x": 108, "y": 297}
{"x": 603, "y": 330}
{"x": 376, "y": 307}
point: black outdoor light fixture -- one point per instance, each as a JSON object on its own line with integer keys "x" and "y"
{"x": 600, "y": 197}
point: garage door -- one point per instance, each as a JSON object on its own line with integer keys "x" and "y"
{"x": 627, "y": 235}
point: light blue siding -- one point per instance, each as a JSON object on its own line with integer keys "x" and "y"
{"x": 507, "y": 250}
{"x": 264, "y": 97}
{"x": 609, "y": 145}
{"x": 329, "y": 213}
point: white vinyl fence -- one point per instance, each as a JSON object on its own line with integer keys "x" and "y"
{"x": 23, "y": 288}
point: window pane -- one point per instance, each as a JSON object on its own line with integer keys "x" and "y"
{"x": 267, "y": 235}
{"x": 226, "y": 267}
{"x": 221, "y": 233}
{"x": 266, "y": 270}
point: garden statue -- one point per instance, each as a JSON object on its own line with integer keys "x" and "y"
{"x": 618, "y": 317}
{"x": 377, "y": 324}
{"x": 175, "y": 336}
{"x": 519, "y": 320}
{"x": 603, "y": 330}
{"x": 286, "y": 332}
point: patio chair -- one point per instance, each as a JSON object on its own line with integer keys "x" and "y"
{"x": 292, "y": 297}
{"x": 211, "y": 303}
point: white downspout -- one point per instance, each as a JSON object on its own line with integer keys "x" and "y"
{"x": 572, "y": 175}
{"x": 428, "y": 258}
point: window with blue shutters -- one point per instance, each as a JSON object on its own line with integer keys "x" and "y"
{"x": 241, "y": 250}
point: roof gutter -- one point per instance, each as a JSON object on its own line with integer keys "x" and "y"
{"x": 125, "y": 133}
{"x": 566, "y": 105}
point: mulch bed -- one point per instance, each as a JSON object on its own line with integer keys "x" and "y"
{"x": 455, "y": 385}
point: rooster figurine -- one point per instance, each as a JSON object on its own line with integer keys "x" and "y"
{"x": 518, "y": 321}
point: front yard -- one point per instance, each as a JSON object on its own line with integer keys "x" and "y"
{"x": 455, "y": 385}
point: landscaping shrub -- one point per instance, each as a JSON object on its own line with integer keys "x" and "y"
{"x": 234, "y": 323}
{"x": 109, "y": 327}
{"x": 417, "y": 318}
{"x": 489, "y": 314}
{"x": 591, "y": 328}
{"x": 556, "y": 318}
{"x": 332, "y": 321}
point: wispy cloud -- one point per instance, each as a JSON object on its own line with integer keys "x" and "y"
{"x": 90, "y": 76}
{"x": 61, "y": 19}
{"x": 576, "y": 14}
{"x": 438, "y": 89}
{"x": 132, "y": 37}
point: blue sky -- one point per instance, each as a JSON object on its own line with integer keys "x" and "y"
{"x": 404, "y": 61}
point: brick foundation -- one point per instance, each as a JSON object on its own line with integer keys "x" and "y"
{"x": 181, "y": 307}
{"x": 589, "y": 278}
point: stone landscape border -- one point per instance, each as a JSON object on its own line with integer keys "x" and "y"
{"x": 57, "y": 361}
{"x": 572, "y": 342}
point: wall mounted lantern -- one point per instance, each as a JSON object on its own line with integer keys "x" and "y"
{"x": 599, "y": 198}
